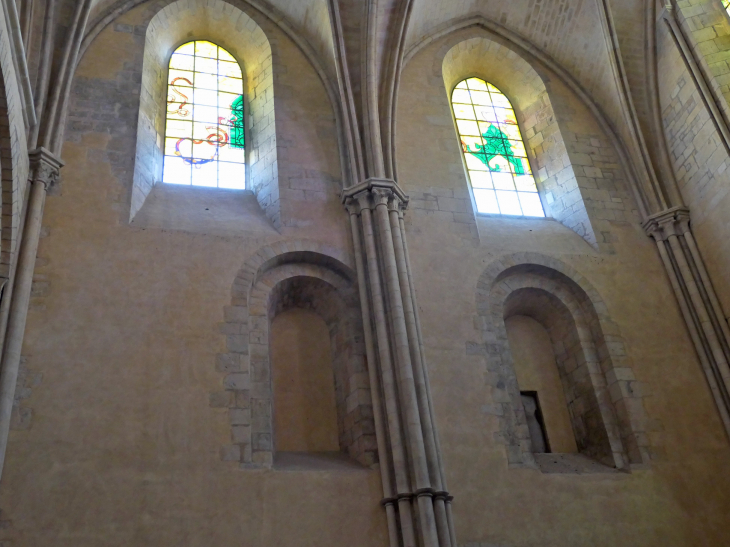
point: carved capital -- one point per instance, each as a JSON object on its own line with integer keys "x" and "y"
{"x": 45, "y": 167}
{"x": 363, "y": 200}
{"x": 671, "y": 222}
{"x": 381, "y": 196}
{"x": 373, "y": 192}
{"x": 352, "y": 205}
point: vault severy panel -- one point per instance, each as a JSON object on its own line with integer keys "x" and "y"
{"x": 308, "y": 18}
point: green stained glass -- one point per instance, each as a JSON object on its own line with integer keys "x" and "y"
{"x": 494, "y": 151}
{"x": 237, "y": 129}
{"x": 496, "y": 144}
{"x": 204, "y": 137}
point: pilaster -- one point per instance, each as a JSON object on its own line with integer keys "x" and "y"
{"x": 44, "y": 173}
{"x": 413, "y": 478}
{"x": 671, "y": 230}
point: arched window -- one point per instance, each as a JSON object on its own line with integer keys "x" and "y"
{"x": 204, "y": 132}
{"x": 494, "y": 152}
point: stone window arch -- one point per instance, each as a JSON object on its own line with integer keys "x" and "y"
{"x": 228, "y": 27}
{"x": 578, "y": 169}
{"x": 204, "y": 121}
{"x": 493, "y": 149}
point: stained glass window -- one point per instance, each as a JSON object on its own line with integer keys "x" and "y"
{"x": 204, "y": 133}
{"x": 494, "y": 152}
{"x": 726, "y": 5}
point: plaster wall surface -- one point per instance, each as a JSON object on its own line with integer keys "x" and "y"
{"x": 305, "y": 415}
{"x": 655, "y": 504}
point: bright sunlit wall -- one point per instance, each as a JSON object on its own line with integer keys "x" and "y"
{"x": 494, "y": 153}
{"x": 204, "y": 133}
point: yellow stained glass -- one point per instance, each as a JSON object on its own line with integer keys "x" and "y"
{"x": 223, "y": 55}
{"x": 464, "y": 112}
{"x": 229, "y": 84}
{"x": 494, "y": 152}
{"x": 476, "y": 84}
{"x": 205, "y": 49}
{"x": 186, "y": 49}
{"x": 204, "y": 130}
{"x": 182, "y": 62}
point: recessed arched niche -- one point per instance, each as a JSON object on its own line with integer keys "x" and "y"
{"x": 296, "y": 374}
{"x": 561, "y": 170}
{"x": 230, "y": 28}
{"x": 561, "y": 362}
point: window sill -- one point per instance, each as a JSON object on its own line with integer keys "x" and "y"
{"x": 512, "y": 217}
{"x": 202, "y": 209}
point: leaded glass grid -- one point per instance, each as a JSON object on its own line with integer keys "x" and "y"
{"x": 204, "y": 132}
{"x": 494, "y": 152}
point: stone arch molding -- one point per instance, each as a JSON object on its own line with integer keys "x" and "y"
{"x": 279, "y": 277}
{"x": 605, "y": 401}
{"x": 14, "y": 152}
{"x": 221, "y": 22}
{"x": 504, "y": 68}
{"x": 579, "y": 165}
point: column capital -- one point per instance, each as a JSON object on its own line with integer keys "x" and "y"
{"x": 670, "y": 222}
{"x": 374, "y": 190}
{"x": 45, "y": 167}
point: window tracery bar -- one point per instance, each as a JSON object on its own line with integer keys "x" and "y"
{"x": 204, "y": 131}
{"x": 494, "y": 152}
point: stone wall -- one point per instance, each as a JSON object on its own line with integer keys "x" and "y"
{"x": 13, "y": 152}
{"x": 656, "y": 367}
{"x": 127, "y": 330}
{"x": 152, "y": 425}
{"x": 700, "y": 160}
